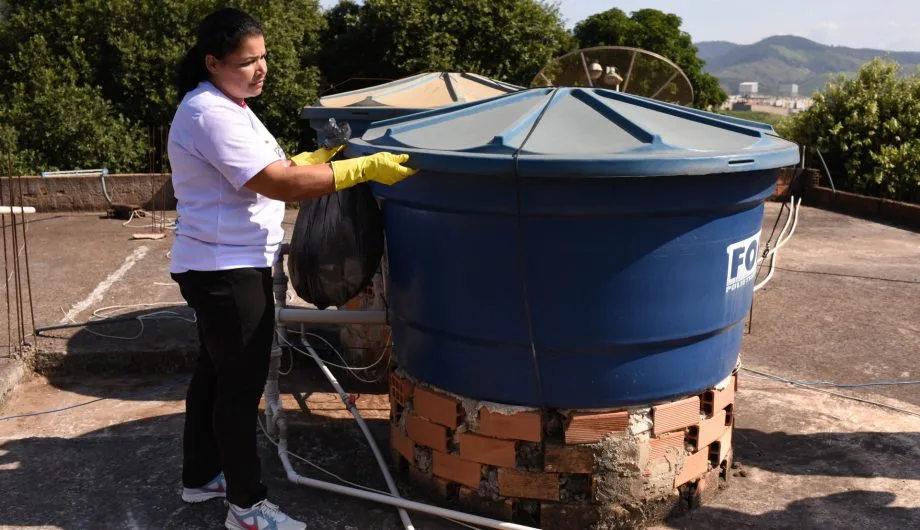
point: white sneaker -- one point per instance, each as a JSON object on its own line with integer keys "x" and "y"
{"x": 262, "y": 516}
{"x": 212, "y": 490}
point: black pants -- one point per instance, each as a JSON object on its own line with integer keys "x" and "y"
{"x": 235, "y": 311}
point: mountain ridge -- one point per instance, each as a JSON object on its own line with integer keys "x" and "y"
{"x": 784, "y": 59}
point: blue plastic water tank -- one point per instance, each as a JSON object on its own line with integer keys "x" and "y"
{"x": 402, "y": 97}
{"x": 620, "y": 233}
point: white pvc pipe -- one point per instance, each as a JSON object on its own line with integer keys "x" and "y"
{"x": 794, "y": 215}
{"x": 16, "y": 209}
{"x": 288, "y": 315}
{"x": 275, "y": 415}
{"x": 350, "y": 405}
{"x": 272, "y": 384}
{"x": 387, "y": 499}
{"x": 795, "y": 223}
{"x": 785, "y": 226}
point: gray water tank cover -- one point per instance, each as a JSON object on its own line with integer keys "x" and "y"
{"x": 578, "y": 132}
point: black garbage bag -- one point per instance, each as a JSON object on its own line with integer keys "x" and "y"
{"x": 336, "y": 246}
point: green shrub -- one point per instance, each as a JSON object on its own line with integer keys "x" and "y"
{"x": 868, "y": 130}
{"x": 83, "y": 82}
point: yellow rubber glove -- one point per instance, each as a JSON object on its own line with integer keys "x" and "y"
{"x": 320, "y": 156}
{"x": 385, "y": 168}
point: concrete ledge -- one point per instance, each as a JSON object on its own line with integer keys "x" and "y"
{"x": 167, "y": 346}
{"x": 12, "y": 372}
{"x": 73, "y": 194}
{"x": 108, "y": 362}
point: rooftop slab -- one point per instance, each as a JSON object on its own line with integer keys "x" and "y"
{"x": 841, "y": 307}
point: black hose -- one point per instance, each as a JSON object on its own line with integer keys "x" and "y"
{"x": 38, "y": 331}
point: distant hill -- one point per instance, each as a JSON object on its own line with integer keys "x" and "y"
{"x": 709, "y": 50}
{"x": 789, "y": 59}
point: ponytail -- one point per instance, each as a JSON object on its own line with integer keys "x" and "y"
{"x": 192, "y": 71}
{"x": 219, "y": 33}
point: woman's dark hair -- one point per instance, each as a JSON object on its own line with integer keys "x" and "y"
{"x": 219, "y": 34}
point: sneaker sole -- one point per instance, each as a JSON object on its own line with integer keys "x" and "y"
{"x": 231, "y": 524}
{"x": 201, "y": 497}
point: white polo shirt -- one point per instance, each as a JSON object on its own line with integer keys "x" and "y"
{"x": 215, "y": 147}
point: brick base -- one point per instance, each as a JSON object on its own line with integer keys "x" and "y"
{"x": 563, "y": 469}
{"x": 363, "y": 345}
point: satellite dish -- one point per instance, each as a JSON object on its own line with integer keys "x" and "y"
{"x": 621, "y": 68}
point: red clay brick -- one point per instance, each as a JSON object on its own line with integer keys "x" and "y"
{"x": 706, "y": 488}
{"x": 456, "y": 469}
{"x": 400, "y": 389}
{"x": 501, "y": 509}
{"x": 430, "y": 484}
{"x": 528, "y": 485}
{"x": 436, "y": 408}
{"x": 584, "y": 428}
{"x": 720, "y": 450}
{"x": 675, "y": 416}
{"x": 402, "y": 444}
{"x": 719, "y": 399}
{"x": 526, "y": 426}
{"x": 485, "y": 450}
{"x": 694, "y": 467}
{"x": 661, "y": 444}
{"x": 710, "y": 430}
{"x": 423, "y": 432}
{"x": 568, "y": 459}
{"x": 568, "y": 516}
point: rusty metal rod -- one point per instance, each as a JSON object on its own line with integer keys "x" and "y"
{"x": 25, "y": 245}
{"x": 18, "y": 281}
{"x": 6, "y": 277}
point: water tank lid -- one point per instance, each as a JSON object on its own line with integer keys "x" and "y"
{"x": 578, "y": 132}
{"x": 418, "y": 92}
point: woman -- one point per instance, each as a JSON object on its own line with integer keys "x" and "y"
{"x": 231, "y": 180}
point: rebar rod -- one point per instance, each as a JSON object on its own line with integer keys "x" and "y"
{"x": 25, "y": 245}
{"x": 18, "y": 279}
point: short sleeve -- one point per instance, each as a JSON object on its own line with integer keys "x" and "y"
{"x": 228, "y": 141}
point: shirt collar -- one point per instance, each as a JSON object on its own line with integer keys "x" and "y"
{"x": 211, "y": 87}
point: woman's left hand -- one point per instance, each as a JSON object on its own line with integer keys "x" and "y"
{"x": 320, "y": 156}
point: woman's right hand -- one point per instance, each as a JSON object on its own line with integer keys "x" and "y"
{"x": 385, "y": 168}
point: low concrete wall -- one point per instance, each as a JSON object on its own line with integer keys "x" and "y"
{"x": 150, "y": 191}
{"x": 74, "y": 194}
{"x": 809, "y": 186}
{"x": 901, "y": 213}
{"x": 787, "y": 177}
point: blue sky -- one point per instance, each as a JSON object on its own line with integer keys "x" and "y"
{"x": 883, "y": 24}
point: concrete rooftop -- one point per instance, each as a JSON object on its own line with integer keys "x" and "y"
{"x": 843, "y": 307}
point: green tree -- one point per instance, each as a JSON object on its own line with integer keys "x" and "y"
{"x": 657, "y": 32}
{"x": 123, "y": 54}
{"x": 508, "y": 40}
{"x": 867, "y": 128}
{"x": 51, "y": 121}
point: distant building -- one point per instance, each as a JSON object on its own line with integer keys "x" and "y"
{"x": 748, "y": 89}
{"x": 791, "y": 90}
